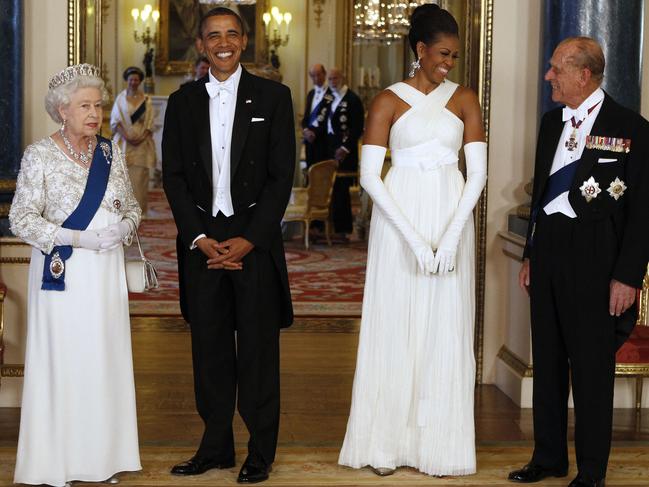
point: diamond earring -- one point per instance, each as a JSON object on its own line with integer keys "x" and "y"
{"x": 414, "y": 66}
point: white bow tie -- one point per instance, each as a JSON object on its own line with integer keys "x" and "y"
{"x": 215, "y": 87}
{"x": 577, "y": 113}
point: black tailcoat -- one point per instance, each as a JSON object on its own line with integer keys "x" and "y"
{"x": 347, "y": 122}
{"x": 317, "y": 150}
{"x": 572, "y": 262}
{"x": 256, "y": 301}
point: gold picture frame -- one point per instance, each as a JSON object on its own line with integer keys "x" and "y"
{"x": 175, "y": 47}
{"x": 85, "y": 21}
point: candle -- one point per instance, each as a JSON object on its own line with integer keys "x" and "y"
{"x": 377, "y": 77}
{"x": 135, "y": 13}
{"x": 277, "y": 17}
{"x": 361, "y": 76}
{"x": 287, "y": 18}
{"x": 266, "y": 18}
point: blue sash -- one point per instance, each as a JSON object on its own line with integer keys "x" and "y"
{"x": 54, "y": 268}
{"x": 558, "y": 183}
{"x": 316, "y": 111}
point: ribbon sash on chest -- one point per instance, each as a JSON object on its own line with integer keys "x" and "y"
{"x": 137, "y": 114}
{"x": 80, "y": 218}
{"x": 313, "y": 117}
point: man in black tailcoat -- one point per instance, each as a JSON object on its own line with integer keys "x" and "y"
{"x": 586, "y": 253}
{"x": 314, "y": 122}
{"x": 344, "y": 128}
{"x": 228, "y": 160}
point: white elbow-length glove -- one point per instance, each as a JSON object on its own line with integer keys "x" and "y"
{"x": 371, "y": 163}
{"x": 87, "y": 239}
{"x": 476, "y": 177}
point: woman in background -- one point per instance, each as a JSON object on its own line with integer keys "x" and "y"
{"x": 131, "y": 121}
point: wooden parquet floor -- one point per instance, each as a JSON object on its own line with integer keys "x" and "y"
{"x": 318, "y": 358}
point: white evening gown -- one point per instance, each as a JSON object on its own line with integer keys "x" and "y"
{"x": 78, "y": 418}
{"x": 412, "y": 400}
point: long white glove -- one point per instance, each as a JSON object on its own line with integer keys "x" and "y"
{"x": 476, "y": 177}
{"x": 87, "y": 239}
{"x": 371, "y": 163}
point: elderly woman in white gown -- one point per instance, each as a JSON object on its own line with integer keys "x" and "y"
{"x": 74, "y": 205}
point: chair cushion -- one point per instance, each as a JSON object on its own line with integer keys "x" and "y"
{"x": 636, "y": 349}
{"x": 295, "y": 212}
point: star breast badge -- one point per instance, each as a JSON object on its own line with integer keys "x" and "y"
{"x": 590, "y": 189}
{"x": 616, "y": 188}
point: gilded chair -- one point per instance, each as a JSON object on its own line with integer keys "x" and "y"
{"x": 632, "y": 360}
{"x": 312, "y": 203}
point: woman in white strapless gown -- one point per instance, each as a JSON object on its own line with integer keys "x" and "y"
{"x": 412, "y": 402}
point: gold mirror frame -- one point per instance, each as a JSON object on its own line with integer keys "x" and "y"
{"x": 78, "y": 26}
{"x": 166, "y": 67}
{"x": 477, "y": 75}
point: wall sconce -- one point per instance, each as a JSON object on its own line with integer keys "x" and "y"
{"x": 318, "y": 10}
{"x": 145, "y": 30}
{"x": 273, "y": 21}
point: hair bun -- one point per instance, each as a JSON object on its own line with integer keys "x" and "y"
{"x": 424, "y": 10}
{"x": 427, "y": 22}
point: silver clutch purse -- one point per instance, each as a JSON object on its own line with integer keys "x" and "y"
{"x": 140, "y": 274}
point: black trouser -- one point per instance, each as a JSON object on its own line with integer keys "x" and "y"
{"x": 317, "y": 151}
{"x": 573, "y": 339}
{"x": 341, "y": 202}
{"x": 235, "y": 317}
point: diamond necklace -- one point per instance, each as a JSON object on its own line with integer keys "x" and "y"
{"x": 83, "y": 158}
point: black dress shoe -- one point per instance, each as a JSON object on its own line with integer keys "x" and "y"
{"x": 199, "y": 465}
{"x": 583, "y": 481}
{"x": 533, "y": 473}
{"x": 253, "y": 474}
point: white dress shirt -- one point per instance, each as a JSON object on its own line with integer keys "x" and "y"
{"x": 318, "y": 95}
{"x": 338, "y": 96}
{"x": 223, "y": 101}
{"x": 563, "y": 157}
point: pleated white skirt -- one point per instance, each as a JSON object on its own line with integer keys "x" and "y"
{"x": 412, "y": 400}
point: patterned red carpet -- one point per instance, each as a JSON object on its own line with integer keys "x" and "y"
{"x": 325, "y": 281}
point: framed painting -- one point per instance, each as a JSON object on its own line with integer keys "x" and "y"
{"x": 178, "y": 27}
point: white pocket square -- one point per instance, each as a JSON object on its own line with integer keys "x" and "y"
{"x": 255, "y": 119}
{"x": 603, "y": 160}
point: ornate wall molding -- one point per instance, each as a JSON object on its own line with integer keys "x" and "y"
{"x": 15, "y": 260}
{"x": 518, "y": 365}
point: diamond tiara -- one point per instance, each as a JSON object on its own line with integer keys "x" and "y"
{"x": 71, "y": 72}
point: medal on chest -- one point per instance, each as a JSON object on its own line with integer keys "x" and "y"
{"x": 572, "y": 144}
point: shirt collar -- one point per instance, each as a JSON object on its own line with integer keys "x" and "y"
{"x": 235, "y": 77}
{"x": 341, "y": 93}
{"x": 581, "y": 112}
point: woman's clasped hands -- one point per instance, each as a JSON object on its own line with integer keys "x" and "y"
{"x": 100, "y": 240}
